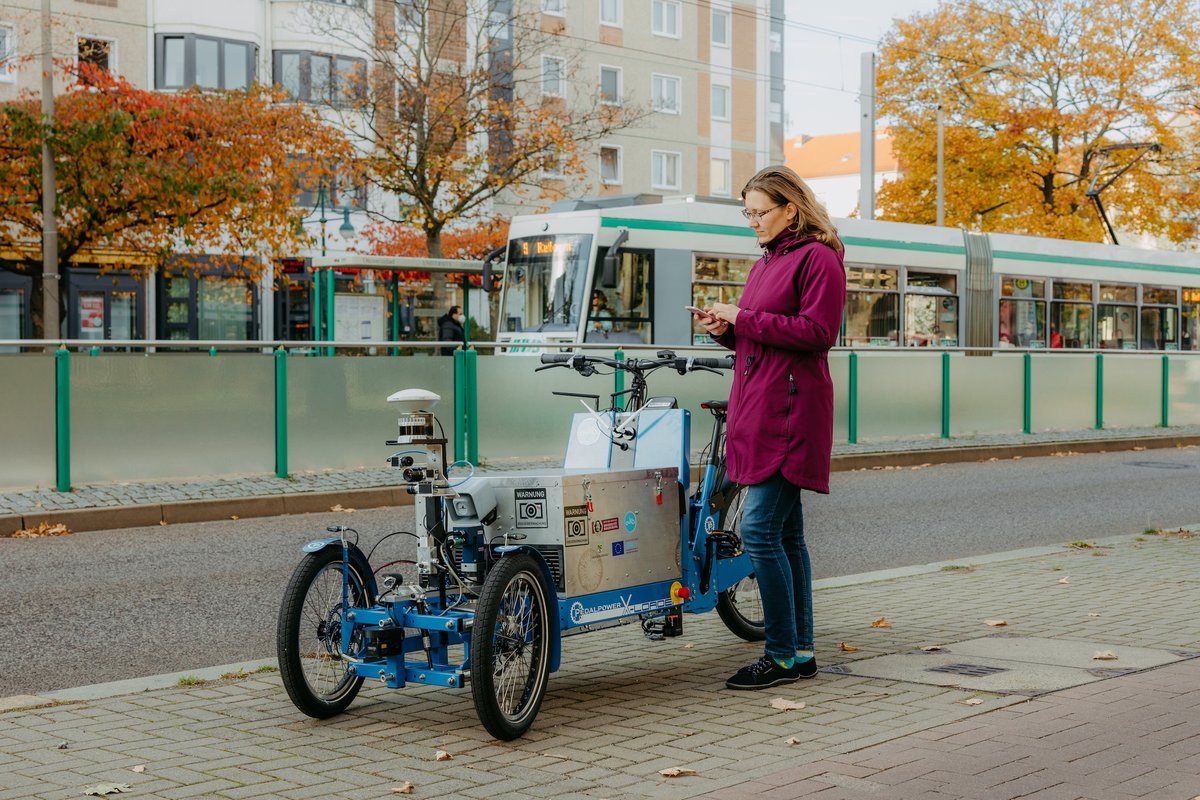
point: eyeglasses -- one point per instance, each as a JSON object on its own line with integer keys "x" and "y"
{"x": 758, "y": 215}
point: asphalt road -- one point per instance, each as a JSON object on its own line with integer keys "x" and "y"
{"x": 109, "y": 605}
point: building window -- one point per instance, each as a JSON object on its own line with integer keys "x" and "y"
{"x": 664, "y": 18}
{"x": 664, "y": 93}
{"x": 610, "y": 86}
{"x": 610, "y": 164}
{"x": 319, "y": 77}
{"x": 719, "y": 177}
{"x": 720, "y": 28}
{"x": 552, "y": 76}
{"x": 556, "y": 7}
{"x": 100, "y": 53}
{"x": 8, "y": 52}
{"x": 720, "y": 102}
{"x": 187, "y": 60}
{"x": 408, "y": 16}
{"x": 610, "y": 13}
{"x": 555, "y": 166}
{"x": 664, "y": 169}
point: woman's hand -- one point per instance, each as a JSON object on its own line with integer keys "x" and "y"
{"x": 725, "y": 311}
{"x": 714, "y": 326}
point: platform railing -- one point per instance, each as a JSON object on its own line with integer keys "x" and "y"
{"x": 86, "y": 411}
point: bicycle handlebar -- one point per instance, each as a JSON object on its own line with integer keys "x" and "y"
{"x": 580, "y": 362}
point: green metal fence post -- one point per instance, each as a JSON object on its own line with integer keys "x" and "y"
{"x": 1099, "y": 391}
{"x": 945, "y": 395}
{"x": 62, "y": 418}
{"x": 853, "y": 399}
{"x": 1166, "y": 391}
{"x": 460, "y": 404}
{"x": 315, "y": 317}
{"x": 394, "y": 285}
{"x": 472, "y": 422}
{"x": 329, "y": 310}
{"x": 1027, "y": 401}
{"x": 618, "y": 382}
{"x": 281, "y": 411}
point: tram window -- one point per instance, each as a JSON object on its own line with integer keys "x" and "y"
{"x": 930, "y": 321}
{"x": 1023, "y": 324}
{"x": 1071, "y": 324}
{"x": 1160, "y": 296}
{"x": 1068, "y": 290}
{"x": 1118, "y": 293}
{"x": 622, "y": 314}
{"x": 931, "y": 283}
{"x": 860, "y": 276}
{"x": 1012, "y": 286}
{"x": 1189, "y": 329}
{"x": 1160, "y": 329}
{"x": 872, "y": 319}
{"x": 1116, "y": 327}
{"x": 717, "y": 279}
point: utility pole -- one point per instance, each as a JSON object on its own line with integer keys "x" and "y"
{"x": 866, "y": 162}
{"x": 50, "y": 276}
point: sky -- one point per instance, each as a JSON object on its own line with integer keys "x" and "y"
{"x": 821, "y": 67}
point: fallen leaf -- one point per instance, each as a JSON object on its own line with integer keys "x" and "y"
{"x": 676, "y": 772}
{"x": 162, "y": 522}
{"x": 783, "y": 704}
{"x": 881, "y": 623}
{"x": 554, "y": 755}
{"x": 62, "y": 745}
{"x": 107, "y": 788}
{"x": 235, "y": 516}
{"x": 996, "y": 623}
{"x": 845, "y": 648}
{"x": 139, "y": 768}
{"x": 442, "y": 755}
{"x": 1093, "y": 614}
{"x": 339, "y": 507}
{"x": 972, "y": 701}
{"x": 1105, "y": 655}
{"x": 406, "y": 788}
{"x": 932, "y": 648}
{"x": 689, "y": 646}
{"x": 793, "y": 740}
{"x": 42, "y": 529}
{"x": 1064, "y": 579}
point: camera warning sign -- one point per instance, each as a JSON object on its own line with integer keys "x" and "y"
{"x": 531, "y": 508}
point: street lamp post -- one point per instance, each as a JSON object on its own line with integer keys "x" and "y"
{"x": 995, "y": 66}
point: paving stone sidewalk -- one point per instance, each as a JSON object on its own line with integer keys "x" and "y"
{"x": 622, "y": 709}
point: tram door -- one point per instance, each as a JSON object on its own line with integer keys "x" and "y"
{"x": 622, "y": 314}
{"x": 105, "y": 306}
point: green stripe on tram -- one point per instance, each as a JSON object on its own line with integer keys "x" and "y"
{"x": 1046, "y": 258}
{"x": 670, "y": 225}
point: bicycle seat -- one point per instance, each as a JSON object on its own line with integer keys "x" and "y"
{"x": 715, "y": 406}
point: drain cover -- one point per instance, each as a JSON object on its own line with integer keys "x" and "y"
{"x": 971, "y": 670}
{"x": 1158, "y": 464}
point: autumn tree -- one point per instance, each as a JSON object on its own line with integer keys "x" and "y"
{"x": 150, "y": 175}
{"x": 1036, "y": 94}
{"x": 451, "y": 115}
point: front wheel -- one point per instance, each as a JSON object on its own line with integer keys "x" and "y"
{"x": 740, "y": 606}
{"x": 309, "y": 637}
{"x": 510, "y": 646}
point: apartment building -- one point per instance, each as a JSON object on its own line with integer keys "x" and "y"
{"x": 708, "y": 74}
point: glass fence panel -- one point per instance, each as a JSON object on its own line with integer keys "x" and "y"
{"x": 1132, "y": 391}
{"x": 169, "y": 416}
{"x": 338, "y": 414}
{"x": 899, "y": 395}
{"x": 839, "y": 372}
{"x": 987, "y": 394}
{"x": 1184, "y": 391}
{"x": 27, "y": 421}
{"x": 1064, "y": 392}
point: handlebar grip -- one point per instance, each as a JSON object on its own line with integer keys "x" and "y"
{"x": 710, "y": 363}
{"x": 557, "y": 358}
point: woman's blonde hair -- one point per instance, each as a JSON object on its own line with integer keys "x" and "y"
{"x": 784, "y": 186}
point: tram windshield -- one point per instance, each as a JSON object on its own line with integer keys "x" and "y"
{"x": 545, "y": 281}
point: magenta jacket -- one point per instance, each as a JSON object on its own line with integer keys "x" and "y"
{"x": 781, "y": 404}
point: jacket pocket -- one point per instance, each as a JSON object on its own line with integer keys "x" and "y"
{"x": 787, "y": 408}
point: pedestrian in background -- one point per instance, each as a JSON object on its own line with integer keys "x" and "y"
{"x": 450, "y": 329}
{"x": 780, "y": 433}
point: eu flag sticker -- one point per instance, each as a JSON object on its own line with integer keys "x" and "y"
{"x": 618, "y": 548}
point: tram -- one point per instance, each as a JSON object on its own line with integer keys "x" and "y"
{"x": 619, "y": 270}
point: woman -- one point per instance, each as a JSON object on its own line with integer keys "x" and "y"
{"x": 780, "y": 432}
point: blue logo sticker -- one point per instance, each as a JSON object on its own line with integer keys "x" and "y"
{"x": 618, "y": 548}
{"x": 630, "y": 521}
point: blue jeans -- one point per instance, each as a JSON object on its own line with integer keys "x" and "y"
{"x": 772, "y": 532}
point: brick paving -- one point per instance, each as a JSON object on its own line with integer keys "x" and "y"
{"x": 622, "y": 709}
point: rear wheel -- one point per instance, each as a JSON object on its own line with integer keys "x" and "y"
{"x": 510, "y": 646}
{"x": 309, "y": 637}
{"x": 740, "y": 606}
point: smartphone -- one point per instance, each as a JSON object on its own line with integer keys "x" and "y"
{"x": 699, "y": 311}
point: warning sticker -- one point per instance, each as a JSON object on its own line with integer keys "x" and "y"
{"x": 610, "y": 524}
{"x": 575, "y": 511}
{"x": 575, "y": 531}
{"x": 531, "y": 508}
